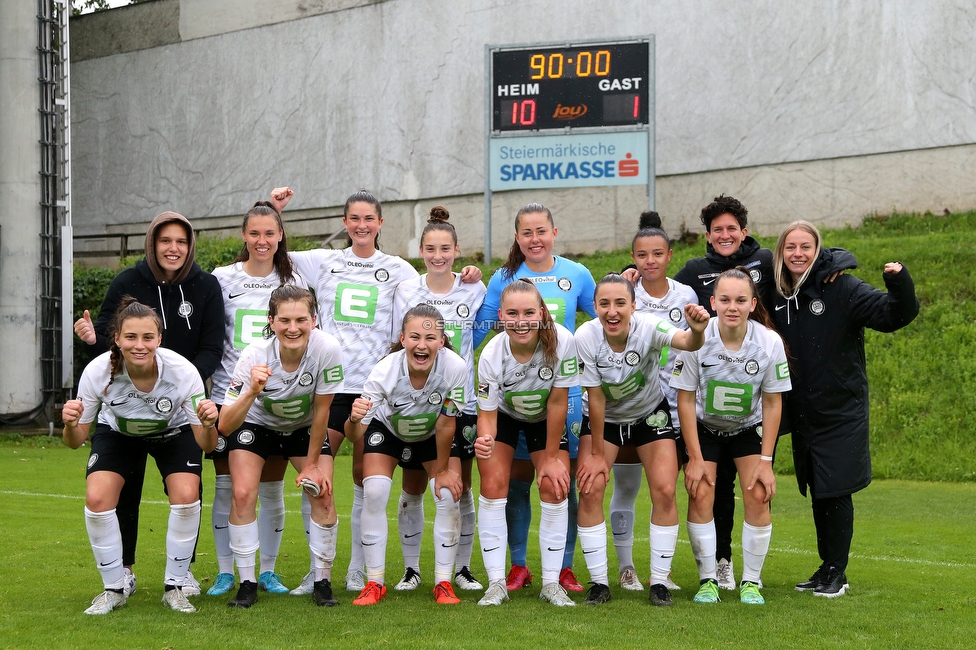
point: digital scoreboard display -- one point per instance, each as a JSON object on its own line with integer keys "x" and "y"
{"x": 604, "y": 84}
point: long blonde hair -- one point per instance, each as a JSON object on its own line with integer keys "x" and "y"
{"x": 547, "y": 328}
{"x": 785, "y": 285}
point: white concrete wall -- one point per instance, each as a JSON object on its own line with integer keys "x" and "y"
{"x": 773, "y": 102}
{"x": 20, "y": 219}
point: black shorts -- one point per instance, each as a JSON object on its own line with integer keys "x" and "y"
{"x": 174, "y": 452}
{"x": 654, "y": 427}
{"x": 716, "y": 445}
{"x": 465, "y": 433}
{"x": 266, "y": 442}
{"x": 508, "y": 430}
{"x": 341, "y": 408}
{"x": 410, "y": 455}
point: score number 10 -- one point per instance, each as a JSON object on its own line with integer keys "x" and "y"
{"x": 551, "y": 67}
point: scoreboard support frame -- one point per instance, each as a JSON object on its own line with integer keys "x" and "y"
{"x": 491, "y": 134}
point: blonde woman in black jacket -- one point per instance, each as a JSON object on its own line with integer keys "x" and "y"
{"x": 823, "y": 325}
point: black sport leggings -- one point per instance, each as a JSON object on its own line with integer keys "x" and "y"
{"x": 834, "y": 519}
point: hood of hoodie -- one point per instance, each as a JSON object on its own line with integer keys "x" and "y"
{"x": 161, "y": 220}
{"x": 747, "y": 249}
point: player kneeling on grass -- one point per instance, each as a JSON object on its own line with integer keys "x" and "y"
{"x": 730, "y": 399}
{"x": 277, "y": 404}
{"x": 620, "y": 354}
{"x": 407, "y": 411}
{"x": 148, "y": 400}
{"x": 524, "y": 377}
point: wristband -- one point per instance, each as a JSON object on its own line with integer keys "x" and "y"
{"x": 769, "y": 458}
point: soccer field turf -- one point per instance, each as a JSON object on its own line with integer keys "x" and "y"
{"x": 912, "y": 574}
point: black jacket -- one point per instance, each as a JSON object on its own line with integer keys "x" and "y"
{"x": 192, "y": 313}
{"x": 823, "y": 325}
{"x": 700, "y": 273}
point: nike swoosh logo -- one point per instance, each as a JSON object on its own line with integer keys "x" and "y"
{"x": 601, "y": 366}
{"x": 663, "y": 557}
{"x": 337, "y": 271}
{"x": 448, "y": 545}
{"x": 219, "y": 527}
{"x": 107, "y": 563}
{"x": 411, "y": 536}
{"x": 779, "y": 307}
{"x": 270, "y": 390}
{"x": 182, "y": 559}
{"x": 189, "y": 464}
{"x": 489, "y": 550}
{"x": 369, "y": 543}
{"x": 588, "y": 552}
{"x": 402, "y": 404}
{"x": 708, "y": 282}
{"x": 511, "y": 385}
{"x": 231, "y": 296}
{"x": 709, "y": 365}
{"x": 556, "y": 549}
{"x": 118, "y": 403}
{"x": 278, "y": 530}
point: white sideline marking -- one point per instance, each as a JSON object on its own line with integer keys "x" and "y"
{"x": 773, "y": 549}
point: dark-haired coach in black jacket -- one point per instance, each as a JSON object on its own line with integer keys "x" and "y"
{"x": 823, "y": 325}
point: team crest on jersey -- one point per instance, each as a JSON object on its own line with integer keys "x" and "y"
{"x": 305, "y": 379}
{"x": 185, "y": 309}
{"x": 381, "y": 275}
{"x": 245, "y": 436}
{"x": 463, "y": 311}
{"x": 817, "y": 307}
{"x": 752, "y": 367}
{"x": 657, "y": 419}
{"x": 484, "y": 390}
{"x": 92, "y": 460}
{"x": 164, "y": 405}
{"x": 678, "y": 365}
{"x": 755, "y": 275}
{"x": 221, "y": 444}
{"x": 376, "y": 439}
{"x": 564, "y": 284}
{"x": 435, "y": 398}
{"x": 406, "y": 454}
{"x": 470, "y": 434}
{"x": 632, "y": 358}
{"x": 545, "y": 373}
{"x": 674, "y": 315}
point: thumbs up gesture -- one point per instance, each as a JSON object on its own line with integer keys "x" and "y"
{"x": 85, "y": 329}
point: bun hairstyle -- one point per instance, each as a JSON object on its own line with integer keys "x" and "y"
{"x": 650, "y": 226}
{"x": 438, "y": 221}
{"x": 515, "y": 255}
{"x": 362, "y": 196}
{"x": 281, "y": 261}
{"x": 423, "y": 310}
{"x": 288, "y": 293}
{"x": 547, "y": 327}
{"x": 128, "y": 308}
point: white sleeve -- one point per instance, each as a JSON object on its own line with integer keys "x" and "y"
{"x": 489, "y": 383}
{"x": 307, "y": 263}
{"x": 457, "y": 379}
{"x": 88, "y": 393}
{"x": 567, "y": 373}
{"x": 685, "y": 374}
{"x": 241, "y": 377}
{"x": 589, "y": 375}
{"x": 777, "y": 376}
{"x": 374, "y": 392}
{"x": 329, "y": 380}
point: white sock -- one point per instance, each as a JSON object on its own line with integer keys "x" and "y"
{"x": 466, "y": 540}
{"x": 755, "y": 545}
{"x": 664, "y": 539}
{"x": 271, "y": 521}
{"x": 106, "y": 543}
{"x": 447, "y": 530}
{"x": 356, "y": 558}
{"x": 307, "y": 522}
{"x": 552, "y": 539}
{"x": 219, "y": 518}
{"x": 322, "y": 548}
{"x": 374, "y": 526}
{"x": 702, "y": 538}
{"x": 410, "y": 522}
{"x": 493, "y": 535}
{"x": 244, "y": 544}
{"x": 181, "y": 538}
{"x": 593, "y": 540}
{"x": 626, "y": 485}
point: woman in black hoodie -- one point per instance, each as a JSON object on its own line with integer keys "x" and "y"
{"x": 189, "y": 302}
{"x": 823, "y": 325}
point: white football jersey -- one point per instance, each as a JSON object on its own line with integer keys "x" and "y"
{"x": 630, "y": 379}
{"x": 670, "y": 308}
{"x": 171, "y": 403}
{"x": 286, "y": 402}
{"x": 355, "y": 303}
{"x": 408, "y": 412}
{"x": 459, "y": 309}
{"x": 521, "y": 390}
{"x": 730, "y": 384}
{"x": 245, "y": 315}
